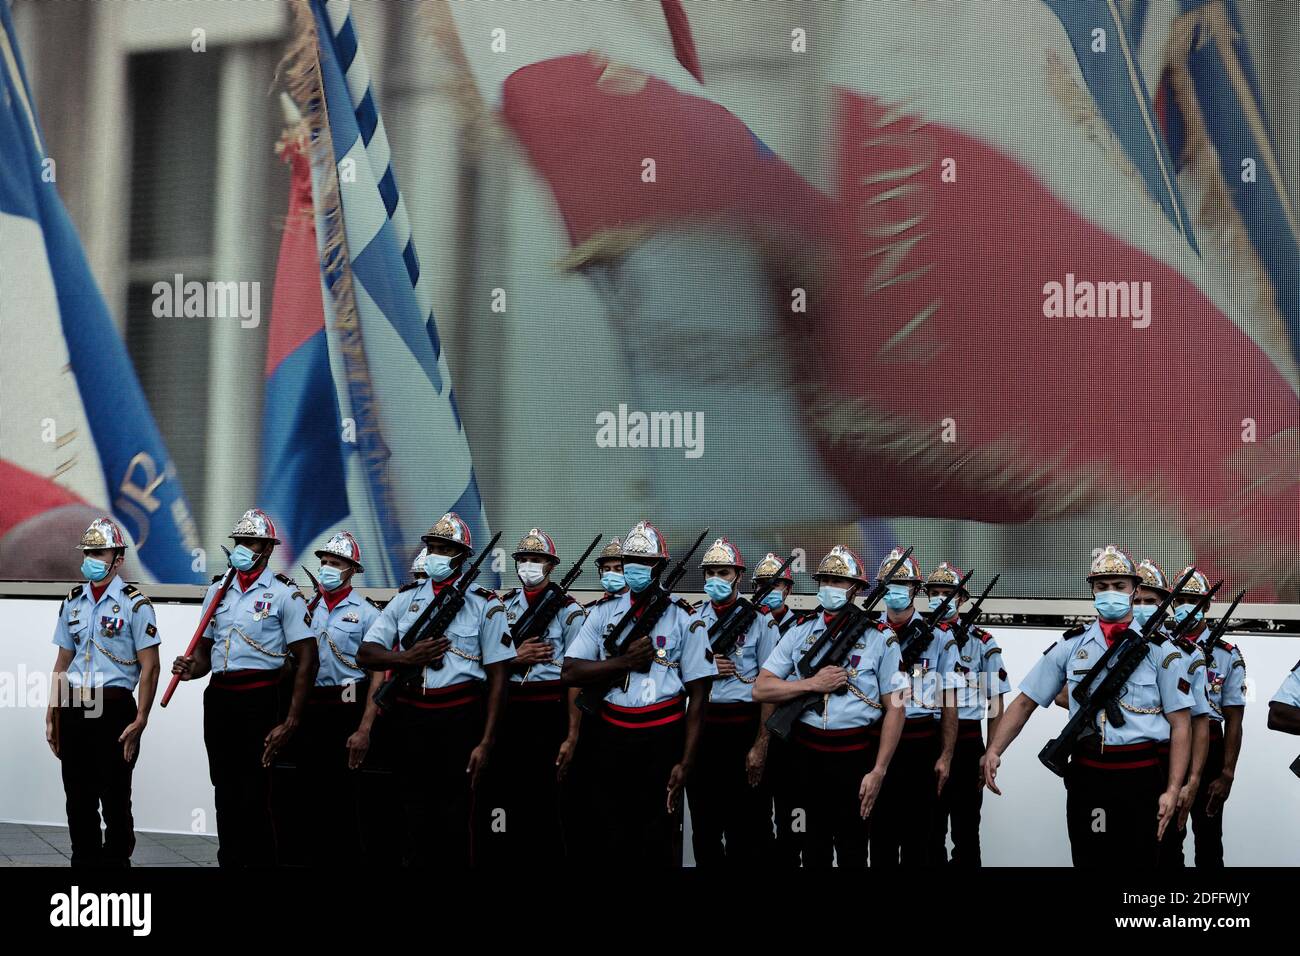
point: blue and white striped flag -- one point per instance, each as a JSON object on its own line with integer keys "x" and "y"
{"x": 411, "y": 459}
{"x": 1198, "y": 67}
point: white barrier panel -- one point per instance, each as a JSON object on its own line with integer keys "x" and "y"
{"x": 1025, "y": 826}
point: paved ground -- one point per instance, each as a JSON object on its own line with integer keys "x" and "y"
{"x": 23, "y": 845}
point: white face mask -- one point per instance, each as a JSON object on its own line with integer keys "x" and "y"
{"x": 531, "y": 573}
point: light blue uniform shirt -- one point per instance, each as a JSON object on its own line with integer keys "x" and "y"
{"x": 872, "y": 667}
{"x": 1225, "y": 678}
{"x": 477, "y": 632}
{"x": 560, "y": 634}
{"x": 752, "y": 648}
{"x": 105, "y": 635}
{"x": 975, "y": 672}
{"x": 338, "y": 635}
{"x": 1289, "y": 692}
{"x": 252, "y": 629}
{"x": 927, "y": 677}
{"x": 681, "y": 656}
{"x": 1159, "y": 686}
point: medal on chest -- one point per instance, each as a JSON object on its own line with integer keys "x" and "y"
{"x": 261, "y": 609}
{"x": 351, "y": 618}
{"x": 111, "y": 626}
{"x": 1215, "y": 681}
{"x": 921, "y": 667}
{"x": 853, "y": 665}
{"x": 661, "y": 642}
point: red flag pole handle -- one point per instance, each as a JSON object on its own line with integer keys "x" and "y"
{"x": 198, "y": 633}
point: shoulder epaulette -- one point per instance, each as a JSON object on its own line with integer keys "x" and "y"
{"x": 802, "y": 616}
{"x": 569, "y": 598}
{"x": 1184, "y": 645}
{"x": 509, "y": 594}
{"x": 377, "y": 605}
{"x": 286, "y": 580}
{"x": 1075, "y": 631}
{"x": 484, "y": 592}
{"x": 138, "y": 598}
{"x": 75, "y": 592}
{"x": 1158, "y": 638}
{"x": 217, "y": 577}
{"x": 686, "y": 605}
{"x": 1049, "y": 648}
{"x": 983, "y": 635}
{"x": 1227, "y": 647}
{"x": 881, "y": 626}
{"x": 1296, "y": 668}
{"x": 407, "y": 587}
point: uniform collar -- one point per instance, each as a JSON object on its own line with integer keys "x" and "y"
{"x": 256, "y": 583}
{"x": 113, "y": 589}
{"x": 348, "y": 597}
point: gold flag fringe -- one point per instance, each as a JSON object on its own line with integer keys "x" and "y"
{"x": 1217, "y": 218}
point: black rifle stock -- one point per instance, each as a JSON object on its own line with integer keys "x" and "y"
{"x": 923, "y": 633}
{"x": 1127, "y": 654}
{"x": 847, "y": 619}
{"x": 1220, "y": 628}
{"x": 641, "y": 624}
{"x": 725, "y": 632}
{"x": 433, "y": 623}
{"x": 962, "y": 631}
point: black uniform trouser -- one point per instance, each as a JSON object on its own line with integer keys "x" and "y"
{"x": 828, "y": 767}
{"x": 435, "y": 736}
{"x": 1208, "y": 829}
{"x": 731, "y": 822}
{"x": 785, "y": 851}
{"x": 239, "y": 710}
{"x": 317, "y": 799}
{"x": 903, "y": 828}
{"x": 381, "y": 805}
{"x": 520, "y": 807}
{"x": 580, "y": 796}
{"x": 1111, "y": 803}
{"x": 962, "y": 798}
{"x": 636, "y": 763}
{"x": 95, "y": 775}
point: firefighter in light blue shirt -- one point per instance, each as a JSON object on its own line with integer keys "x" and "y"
{"x": 540, "y": 729}
{"x": 905, "y": 827}
{"x": 1284, "y": 707}
{"x": 731, "y": 820}
{"x": 1152, "y": 589}
{"x": 108, "y": 643}
{"x": 447, "y": 720}
{"x": 260, "y": 622}
{"x": 977, "y": 681}
{"x": 1222, "y": 688}
{"x": 652, "y": 718}
{"x": 839, "y": 757}
{"x": 1114, "y": 770}
{"x": 321, "y": 777}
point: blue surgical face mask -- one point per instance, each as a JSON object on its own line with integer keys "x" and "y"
{"x": 1112, "y": 605}
{"x": 242, "y": 558}
{"x": 637, "y": 576}
{"x": 774, "y": 599}
{"x": 613, "y": 581}
{"x": 935, "y": 601}
{"x": 1142, "y": 613}
{"x": 717, "y": 589}
{"x": 1183, "y": 611}
{"x": 898, "y": 597}
{"x": 93, "y": 569}
{"x": 832, "y": 598}
{"x": 438, "y": 567}
{"x": 331, "y": 578}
